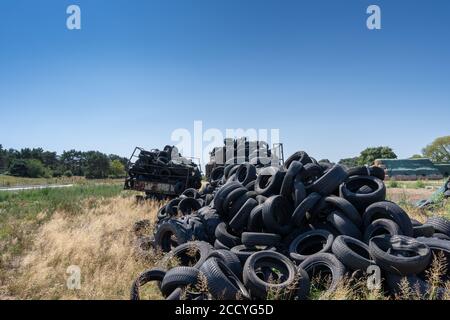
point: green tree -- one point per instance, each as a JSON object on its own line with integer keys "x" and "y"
{"x": 73, "y": 161}
{"x": 117, "y": 169}
{"x": 438, "y": 150}
{"x": 31, "y": 168}
{"x": 417, "y": 156}
{"x": 349, "y": 162}
{"x": 369, "y": 155}
{"x": 97, "y": 165}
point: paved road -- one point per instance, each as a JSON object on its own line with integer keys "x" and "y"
{"x": 21, "y": 188}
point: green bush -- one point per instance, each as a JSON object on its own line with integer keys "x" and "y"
{"x": 68, "y": 174}
{"x": 393, "y": 184}
{"x": 420, "y": 184}
{"x": 30, "y": 168}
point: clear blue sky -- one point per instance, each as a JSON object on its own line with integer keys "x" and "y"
{"x": 139, "y": 69}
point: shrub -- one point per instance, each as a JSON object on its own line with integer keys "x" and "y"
{"x": 68, "y": 174}
{"x": 393, "y": 184}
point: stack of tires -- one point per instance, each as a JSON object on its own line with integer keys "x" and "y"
{"x": 237, "y": 151}
{"x": 165, "y": 166}
{"x": 269, "y": 232}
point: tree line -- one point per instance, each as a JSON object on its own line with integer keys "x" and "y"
{"x": 38, "y": 163}
{"x": 438, "y": 152}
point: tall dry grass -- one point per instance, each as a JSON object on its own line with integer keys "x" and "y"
{"x": 99, "y": 240}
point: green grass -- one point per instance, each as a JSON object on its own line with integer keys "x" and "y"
{"x": 416, "y": 184}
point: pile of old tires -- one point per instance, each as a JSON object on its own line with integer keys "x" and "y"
{"x": 259, "y": 233}
{"x": 447, "y": 189}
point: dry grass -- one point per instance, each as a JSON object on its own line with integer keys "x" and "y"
{"x": 98, "y": 237}
{"x": 100, "y": 241}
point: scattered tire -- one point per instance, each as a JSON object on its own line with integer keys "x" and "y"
{"x": 389, "y": 210}
{"x": 147, "y": 276}
{"x": 325, "y": 264}
{"x": 440, "y": 224}
{"x": 222, "y": 283}
{"x": 310, "y": 243}
{"x": 381, "y": 227}
{"x": 399, "y": 254}
{"x": 348, "y": 190}
{"x": 251, "y": 239}
{"x": 354, "y": 254}
{"x": 260, "y": 277}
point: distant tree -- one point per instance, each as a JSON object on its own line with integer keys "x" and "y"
{"x": 3, "y": 159}
{"x": 325, "y": 160}
{"x": 18, "y": 168}
{"x": 117, "y": 169}
{"x": 50, "y": 159}
{"x": 438, "y": 150}
{"x": 349, "y": 162}
{"x": 369, "y": 155}
{"x": 31, "y": 168}
{"x": 35, "y": 169}
{"x": 73, "y": 161}
{"x": 97, "y": 165}
{"x": 122, "y": 160}
{"x": 417, "y": 156}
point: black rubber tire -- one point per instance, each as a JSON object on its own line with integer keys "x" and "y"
{"x": 441, "y": 236}
{"x": 422, "y": 288}
{"x": 179, "y": 277}
{"x": 330, "y": 181}
{"x": 300, "y": 216}
{"x": 345, "y": 207}
{"x": 325, "y": 261}
{"x": 261, "y": 199}
{"x": 240, "y": 220}
{"x": 299, "y": 193}
{"x": 310, "y": 243}
{"x": 251, "y": 185}
{"x": 243, "y": 252}
{"x": 231, "y": 198}
{"x": 269, "y": 181}
{"x": 184, "y": 253}
{"x": 381, "y": 227}
{"x": 300, "y": 156}
{"x": 191, "y": 193}
{"x": 388, "y": 210}
{"x": 255, "y": 220}
{"x": 230, "y": 259}
{"x": 436, "y": 245}
{"x": 172, "y": 207}
{"x": 287, "y": 187}
{"x": 276, "y": 214}
{"x": 223, "y": 284}
{"x": 367, "y": 171}
{"x": 381, "y": 249}
{"x": 216, "y": 175}
{"x": 259, "y": 288}
{"x": 227, "y": 169}
{"x": 171, "y": 233}
{"x": 354, "y": 254}
{"x": 220, "y": 246}
{"x": 344, "y": 225}
{"x": 425, "y": 230}
{"x": 440, "y": 224}
{"x": 245, "y": 173}
{"x": 237, "y": 205}
{"x": 224, "y": 235}
{"x": 154, "y": 274}
{"x": 251, "y": 239}
{"x": 348, "y": 190}
{"x": 221, "y": 195}
{"x": 188, "y": 205}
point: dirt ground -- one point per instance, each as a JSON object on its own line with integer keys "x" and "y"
{"x": 411, "y": 196}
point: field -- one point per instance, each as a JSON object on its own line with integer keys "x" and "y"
{"x": 43, "y": 232}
